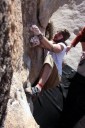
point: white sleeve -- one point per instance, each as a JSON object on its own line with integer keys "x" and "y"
{"x": 63, "y": 46}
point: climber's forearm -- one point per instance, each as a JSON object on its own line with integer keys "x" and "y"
{"x": 45, "y": 42}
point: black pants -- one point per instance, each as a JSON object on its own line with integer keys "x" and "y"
{"x": 74, "y": 108}
{"x": 48, "y": 107}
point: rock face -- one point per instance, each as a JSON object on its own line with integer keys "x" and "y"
{"x": 18, "y": 61}
{"x": 14, "y": 109}
{"x": 70, "y": 16}
{"x": 5, "y": 59}
{"x": 18, "y": 112}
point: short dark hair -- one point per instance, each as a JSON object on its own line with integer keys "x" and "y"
{"x": 65, "y": 34}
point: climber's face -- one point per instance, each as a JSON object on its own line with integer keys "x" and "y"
{"x": 58, "y": 36}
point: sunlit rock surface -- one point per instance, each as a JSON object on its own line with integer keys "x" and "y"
{"x": 72, "y": 17}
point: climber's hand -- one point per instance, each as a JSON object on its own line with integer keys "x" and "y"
{"x": 35, "y": 30}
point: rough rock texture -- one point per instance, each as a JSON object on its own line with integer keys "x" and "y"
{"x": 18, "y": 112}
{"x": 5, "y": 59}
{"x": 18, "y": 61}
{"x": 14, "y": 109}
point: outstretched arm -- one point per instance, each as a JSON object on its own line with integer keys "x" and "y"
{"x": 68, "y": 48}
{"x": 77, "y": 39}
{"x": 45, "y": 43}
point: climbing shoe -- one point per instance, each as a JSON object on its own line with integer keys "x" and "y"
{"x": 33, "y": 91}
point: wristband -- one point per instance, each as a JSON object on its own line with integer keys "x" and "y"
{"x": 40, "y": 84}
{"x": 40, "y": 36}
